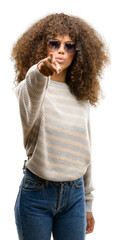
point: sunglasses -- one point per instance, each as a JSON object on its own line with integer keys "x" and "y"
{"x": 54, "y": 45}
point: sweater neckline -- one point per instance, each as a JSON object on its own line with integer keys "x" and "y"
{"x": 58, "y": 84}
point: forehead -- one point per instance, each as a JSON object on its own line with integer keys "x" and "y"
{"x": 65, "y": 38}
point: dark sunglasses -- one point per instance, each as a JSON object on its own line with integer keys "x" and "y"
{"x": 54, "y": 45}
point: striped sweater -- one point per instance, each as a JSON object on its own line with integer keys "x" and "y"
{"x": 56, "y": 131}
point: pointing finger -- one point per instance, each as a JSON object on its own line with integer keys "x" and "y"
{"x": 53, "y": 61}
{"x": 51, "y": 57}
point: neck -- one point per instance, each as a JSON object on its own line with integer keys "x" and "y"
{"x": 60, "y": 77}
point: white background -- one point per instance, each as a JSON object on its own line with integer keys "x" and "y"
{"x": 16, "y": 17}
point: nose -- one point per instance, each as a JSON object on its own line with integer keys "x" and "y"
{"x": 61, "y": 49}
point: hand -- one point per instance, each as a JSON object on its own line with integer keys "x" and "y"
{"x": 49, "y": 66}
{"x": 90, "y": 223}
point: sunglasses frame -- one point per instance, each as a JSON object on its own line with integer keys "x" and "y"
{"x": 65, "y": 47}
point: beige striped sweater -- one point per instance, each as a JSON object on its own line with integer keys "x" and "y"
{"x": 56, "y": 131}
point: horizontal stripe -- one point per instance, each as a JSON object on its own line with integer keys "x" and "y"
{"x": 67, "y": 141}
{"x": 66, "y": 131}
{"x": 64, "y": 121}
{"x": 66, "y": 114}
{"x": 58, "y": 148}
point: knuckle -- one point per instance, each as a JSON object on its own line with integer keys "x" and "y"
{"x": 45, "y": 61}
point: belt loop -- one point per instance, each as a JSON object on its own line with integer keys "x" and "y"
{"x": 23, "y": 168}
{"x": 71, "y": 182}
{"x": 46, "y": 183}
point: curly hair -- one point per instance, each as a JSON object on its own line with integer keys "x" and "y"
{"x": 85, "y": 71}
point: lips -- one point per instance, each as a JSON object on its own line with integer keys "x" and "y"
{"x": 60, "y": 59}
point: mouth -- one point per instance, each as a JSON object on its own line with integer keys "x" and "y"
{"x": 60, "y": 60}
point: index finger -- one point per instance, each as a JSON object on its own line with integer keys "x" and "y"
{"x": 51, "y": 58}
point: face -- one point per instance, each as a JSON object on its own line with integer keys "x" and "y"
{"x": 62, "y": 56}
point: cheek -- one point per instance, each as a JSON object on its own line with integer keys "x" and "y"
{"x": 70, "y": 59}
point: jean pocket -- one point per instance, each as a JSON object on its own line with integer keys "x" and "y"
{"x": 31, "y": 184}
{"x": 79, "y": 182}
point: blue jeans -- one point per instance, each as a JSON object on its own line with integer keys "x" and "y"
{"x": 43, "y": 207}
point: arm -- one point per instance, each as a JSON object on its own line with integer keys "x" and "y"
{"x": 88, "y": 189}
{"x": 88, "y": 177}
{"x": 30, "y": 94}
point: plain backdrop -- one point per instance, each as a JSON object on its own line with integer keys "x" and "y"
{"x": 105, "y": 17}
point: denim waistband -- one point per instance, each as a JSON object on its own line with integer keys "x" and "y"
{"x": 26, "y": 170}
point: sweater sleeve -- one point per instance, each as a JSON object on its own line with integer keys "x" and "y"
{"x": 89, "y": 197}
{"x": 30, "y": 94}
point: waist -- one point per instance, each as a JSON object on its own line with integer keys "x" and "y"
{"x": 26, "y": 170}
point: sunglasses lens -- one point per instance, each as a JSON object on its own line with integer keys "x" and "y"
{"x": 54, "y": 45}
{"x": 70, "y": 48}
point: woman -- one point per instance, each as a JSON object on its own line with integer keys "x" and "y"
{"x": 58, "y": 63}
